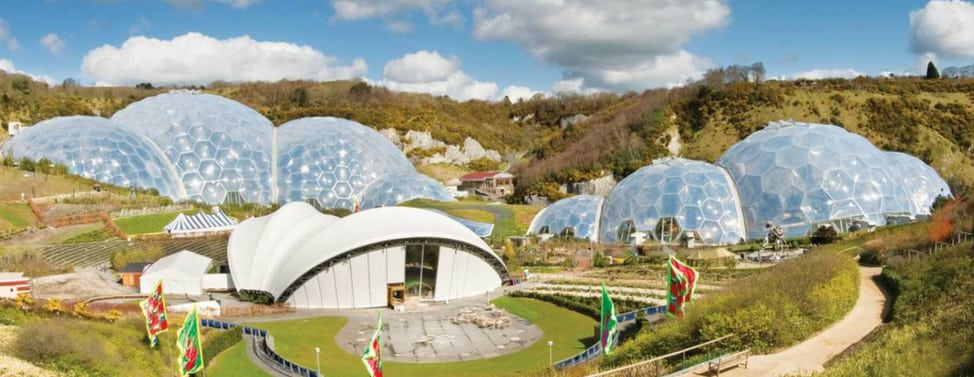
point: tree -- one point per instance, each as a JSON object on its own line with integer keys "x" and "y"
{"x": 144, "y": 86}
{"x": 932, "y": 72}
{"x": 300, "y": 97}
{"x": 69, "y": 83}
{"x": 757, "y": 71}
{"x": 21, "y": 84}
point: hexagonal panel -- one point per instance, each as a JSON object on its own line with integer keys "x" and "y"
{"x": 693, "y": 192}
{"x": 580, "y": 213}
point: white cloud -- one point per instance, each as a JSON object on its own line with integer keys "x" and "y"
{"x": 817, "y": 74}
{"x": 240, "y": 4}
{"x": 350, "y": 10}
{"x": 53, "y": 43}
{"x": 194, "y": 58}
{"x": 429, "y": 72}
{"x": 8, "y": 66}
{"x": 363, "y": 9}
{"x": 944, "y": 28}
{"x": 516, "y": 93}
{"x": 617, "y": 44}
{"x": 420, "y": 67}
{"x": 196, "y": 5}
{"x": 7, "y": 38}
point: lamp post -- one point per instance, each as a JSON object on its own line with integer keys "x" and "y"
{"x": 550, "y": 344}
{"x": 318, "y": 360}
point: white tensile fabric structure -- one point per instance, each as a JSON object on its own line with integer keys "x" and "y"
{"x": 200, "y": 223}
{"x": 181, "y": 273}
{"x": 311, "y": 260}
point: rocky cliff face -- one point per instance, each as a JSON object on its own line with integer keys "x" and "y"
{"x": 450, "y": 154}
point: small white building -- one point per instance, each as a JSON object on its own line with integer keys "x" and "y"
{"x": 13, "y": 284}
{"x": 14, "y": 128}
{"x": 181, "y": 273}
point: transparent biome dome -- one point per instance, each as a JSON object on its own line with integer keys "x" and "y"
{"x": 221, "y": 149}
{"x": 799, "y": 174}
{"x": 579, "y": 213}
{"x": 923, "y": 185}
{"x": 699, "y": 196}
{"x": 96, "y": 148}
{"x": 333, "y": 160}
{"x": 393, "y": 189}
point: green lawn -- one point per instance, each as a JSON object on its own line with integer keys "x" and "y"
{"x": 146, "y": 224}
{"x": 571, "y": 332}
{"x": 15, "y": 216}
{"x": 509, "y": 220}
{"x": 234, "y": 363}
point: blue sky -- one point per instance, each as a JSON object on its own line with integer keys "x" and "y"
{"x": 476, "y": 48}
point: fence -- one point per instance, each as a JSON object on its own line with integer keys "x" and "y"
{"x": 596, "y": 350}
{"x": 263, "y": 348}
{"x": 651, "y": 366}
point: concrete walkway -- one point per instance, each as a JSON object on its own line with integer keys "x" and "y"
{"x": 812, "y": 354}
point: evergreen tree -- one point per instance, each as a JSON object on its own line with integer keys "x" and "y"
{"x": 932, "y": 72}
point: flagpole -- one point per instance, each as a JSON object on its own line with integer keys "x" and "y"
{"x": 172, "y": 361}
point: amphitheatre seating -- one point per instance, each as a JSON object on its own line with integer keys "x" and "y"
{"x": 729, "y": 361}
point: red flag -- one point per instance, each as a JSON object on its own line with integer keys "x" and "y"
{"x": 154, "y": 310}
{"x": 681, "y": 282}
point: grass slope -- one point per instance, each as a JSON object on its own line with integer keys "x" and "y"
{"x": 509, "y": 220}
{"x": 15, "y": 216}
{"x": 570, "y": 331}
{"x": 146, "y": 224}
{"x": 234, "y": 363}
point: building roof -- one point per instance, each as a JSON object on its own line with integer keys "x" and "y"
{"x": 271, "y": 252}
{"x": 137, "y": 267}
{"x": 478, "y": 176}
{"x": 182, "y": 265}
{"x": 8, "y": 276}
{"x": 200, "y": 221}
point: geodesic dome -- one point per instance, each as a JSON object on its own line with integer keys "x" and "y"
{"x": 333, "y": 160}
{"x": 799, "y": 174}
{"x": 218, "y": 146}
{"x": 922, "y": 184}
{"x": 96, "y": 148}
{"x": 393, "y": 189}
{"x": 701, "y": 198}
{"x": 579, "y": 213}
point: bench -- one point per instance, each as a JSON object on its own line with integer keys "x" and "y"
{"x": 729, "y": 361}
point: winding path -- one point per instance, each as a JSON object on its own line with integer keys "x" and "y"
{"x": 812, "y": 354}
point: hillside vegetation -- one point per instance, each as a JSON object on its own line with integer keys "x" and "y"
{"x": 931, "y": 323}
{"x": 617, "y": 134}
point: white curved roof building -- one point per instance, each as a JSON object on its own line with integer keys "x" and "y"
{"x": 311, "y": 260}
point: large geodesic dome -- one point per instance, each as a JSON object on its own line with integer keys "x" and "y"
{"x": 332, "y": 160}
{"x": 922, "y": 184}
{"x": 580, "y": 214}
{"x": 218, "y": 146}
{"x": 393, "y": 189}
{"x": 96, "y": 148}
{"x": 796, "y": 175}
{"x": 699, "y": 196}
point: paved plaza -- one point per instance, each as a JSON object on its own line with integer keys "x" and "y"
{"x": 434, "y": 336}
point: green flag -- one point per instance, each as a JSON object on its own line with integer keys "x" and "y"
{"x": 608, "y": 322}
{"x": 190, "y": 348}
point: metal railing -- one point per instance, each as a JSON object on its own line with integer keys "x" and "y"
{"x": 643, "y": 367}
{"x": 595, "y": 351}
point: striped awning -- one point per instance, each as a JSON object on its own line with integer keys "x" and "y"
{"x": 201, "y": 221}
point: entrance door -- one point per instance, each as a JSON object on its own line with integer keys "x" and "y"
{"x": 421, "y": 262}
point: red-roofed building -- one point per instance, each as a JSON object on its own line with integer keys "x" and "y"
{"x": 488, "y": 183}
{"x": 13, "y": 284}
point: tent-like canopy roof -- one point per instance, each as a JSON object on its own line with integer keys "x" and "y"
{"x": 200, "y": 221}
{"x": 270, "y": 253}
{"x": 182, "y": 265}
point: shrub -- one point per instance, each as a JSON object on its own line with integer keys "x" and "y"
{"x": 220, "y": 342}
{"x": 122, "y": 258}
{"x": 768, "y": 310}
